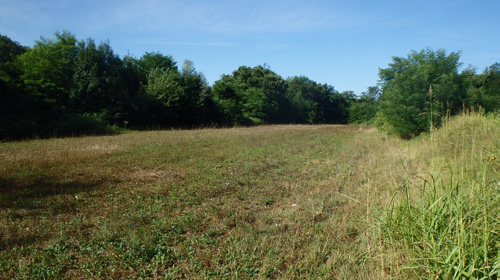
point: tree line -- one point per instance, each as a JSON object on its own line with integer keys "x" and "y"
{"x": 64, "y": 86}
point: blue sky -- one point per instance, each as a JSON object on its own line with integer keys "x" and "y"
{"x": 341, "y": 43}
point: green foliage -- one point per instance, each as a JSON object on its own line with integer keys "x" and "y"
{"x": 38, "y": 89}
{"x": 77, "y": 125}
{"x": 179, "y": 97}
{"x": 198, "y": 108}
{"x": 229, "y": 99}
{"x": 314, "y": 103}
{"x": 301, "y": 93}
{"x": 48, "y": 68}
{"x": 152, "y": 60}
{"x": 405, "y": 101}
{"x": 251, "y": 96}
{"x": 16, "y": 106}
{"x": 363, "y": 110}
{"x": 56, "y": 83}
{"x": 9, "y": 50}
{"x": 62, "y": 77}
{"x": 484, "y": 92}
{"x": 254, "y": 103}
{"x": 163, "y": 86}
{"x": 98, "y": 86}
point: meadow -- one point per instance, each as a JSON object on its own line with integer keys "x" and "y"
{"x": 266, "y": 202}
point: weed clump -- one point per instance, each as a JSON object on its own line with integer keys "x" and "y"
{"x": 444, "y": 225}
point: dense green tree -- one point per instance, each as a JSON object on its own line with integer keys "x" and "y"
{"x": 251, "y": 96}
{"x": 315, "y": 103}
{"x": 153, "y": 60}
{"x": 9, "y": 50}
{"x": 262, "y": 92}
{"x": 37, "y": 97}
{"x": 300, "y": 93}
{"x": 484, "y": 91}
{"x": 159, "y": 97}
{"x": 363, "y": 109}
{"x": 136, "y": 102}
{"x": 198, "y": 103}
{"x": 98, "y": 82}
{"x": 17, "y": 108}
{"x": 229, "y": 100}
{"x": 68, "y": 84}
{"x": 9, "y": 73}
{"x": 408, "y": 106}
{"x": 63, "y": 86}
{"x": 179, "y": 98}
{"x": 164, "y": 88}
{"x": 48, "y": 69}
{"x": 336, "y": 109}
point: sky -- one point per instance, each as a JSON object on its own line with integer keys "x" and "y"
{"x": 340, "y": 43}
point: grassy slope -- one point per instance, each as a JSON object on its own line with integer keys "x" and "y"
{"x": 265, "y": 202}
{"x": 444, "y": 221}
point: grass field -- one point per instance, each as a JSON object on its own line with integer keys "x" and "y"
{"x": 287, "y": 202}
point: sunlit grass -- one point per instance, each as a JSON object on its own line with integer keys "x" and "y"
{"x": 288, "y": 202}
{"x": 444, "y": 222}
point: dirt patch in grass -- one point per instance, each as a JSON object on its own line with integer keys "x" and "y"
{"x": 145, "y": 176}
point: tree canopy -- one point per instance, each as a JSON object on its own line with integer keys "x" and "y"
{"x": 65, "y": 86}
{"x": 418, "y": 91}
{"x": 484, "y": 92}
{"x": 250, "y": 96}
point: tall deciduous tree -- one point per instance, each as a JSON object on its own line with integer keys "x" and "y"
{"x": 98, "y": 86}
{"x": 251, "y": 96}
{"x": 229, "y": 99}
{"x": 408, "y": 104}
{"x": 363, "y": 109}
{"x": 48, "y": 68}
{"x": 152, "y": 60}
{"x": 164, "y": 88}
{"x": 484, "y": 92}
{"x": 198, "y": 96}
{"x": 179, "y": 98}
{"x": 315, "y": 103}
{"x": 17, "y": 108}
{"x": 9, "y": 50}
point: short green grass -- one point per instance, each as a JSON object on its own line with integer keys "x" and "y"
{"x": 269, "y": 202}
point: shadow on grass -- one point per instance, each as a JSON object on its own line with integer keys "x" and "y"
{"x": 22, "y": 203}
{"x": 22, "y": 196}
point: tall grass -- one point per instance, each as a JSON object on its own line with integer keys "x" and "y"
{"x": 444, "y": 224}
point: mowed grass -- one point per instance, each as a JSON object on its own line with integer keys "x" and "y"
{"x": 287, "y": 202}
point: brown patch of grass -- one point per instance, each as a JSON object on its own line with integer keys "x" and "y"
{"x": 145, "y": 176}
